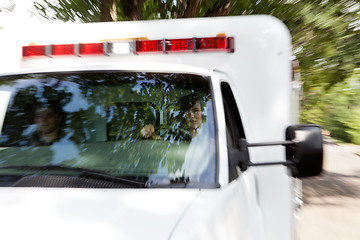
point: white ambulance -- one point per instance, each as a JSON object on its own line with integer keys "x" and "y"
{"x": 169, "y": 129}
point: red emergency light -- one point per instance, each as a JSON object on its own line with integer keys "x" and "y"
{"x": 30, "y": 51}
{"x": 149, "y": 46}
{"x": 211, "y": 44}
{"x": 64, "y": 49}
{"x": 91, "y": 48}
{"x": 216, "y": 44}
{"x": 179, "y": 45}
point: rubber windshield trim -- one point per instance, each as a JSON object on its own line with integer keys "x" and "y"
{"x": 216, "y": 135}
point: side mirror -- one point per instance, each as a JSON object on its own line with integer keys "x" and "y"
{"x": 305, "y": 157}
{"x": 304, "y": 151}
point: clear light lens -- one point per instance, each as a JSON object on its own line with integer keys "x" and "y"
{"x": 121, "y": 48}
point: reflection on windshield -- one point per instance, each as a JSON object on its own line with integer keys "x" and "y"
{"x": 141, "y": 125}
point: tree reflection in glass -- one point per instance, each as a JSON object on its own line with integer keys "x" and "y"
{"x": 95, "y": 120}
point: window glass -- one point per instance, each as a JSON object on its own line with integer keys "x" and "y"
{"x": 152, "y": 128}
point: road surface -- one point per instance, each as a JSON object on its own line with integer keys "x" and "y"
{"x": 331, "y": 207}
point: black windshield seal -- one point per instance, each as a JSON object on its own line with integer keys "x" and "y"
{"x": 87, "y": 173}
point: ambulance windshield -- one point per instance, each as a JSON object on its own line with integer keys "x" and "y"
{"x": 106, "y": 129}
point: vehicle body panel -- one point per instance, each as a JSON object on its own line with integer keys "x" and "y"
{"x": 258, "y": 205}
{"x": 92, "y": 213}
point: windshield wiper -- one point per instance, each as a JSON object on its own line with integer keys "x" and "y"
{"x": 178, "y": 182}
{"x": 85, "y": 173}
{"x": 182, "y": 182}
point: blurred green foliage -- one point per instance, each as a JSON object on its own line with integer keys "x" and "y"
{"x": 337, "y": 109}
{"x": 73, "y": 10}
{"x": 326, "y": 43}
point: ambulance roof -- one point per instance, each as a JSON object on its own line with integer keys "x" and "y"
{"x": 251, "y": 34}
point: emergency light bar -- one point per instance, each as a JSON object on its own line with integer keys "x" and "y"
{"x": 212, "y": 44}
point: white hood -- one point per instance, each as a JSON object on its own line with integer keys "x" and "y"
{"x": 42, "y": 213}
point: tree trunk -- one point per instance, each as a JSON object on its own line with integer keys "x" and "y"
{"x": 132, "y": 9}
{"x": 192, "y": 8}
{"x": 221, "y": 9}
{"x": 108, "y": 11}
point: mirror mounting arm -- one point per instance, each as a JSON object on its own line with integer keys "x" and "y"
{"x": 250, "y": 164}
{"x": 264, "y": 144}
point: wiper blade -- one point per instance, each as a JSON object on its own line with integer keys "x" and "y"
{"x": 182, "y": 182}
{"x": 179, "y": 182}
{"x": 85, "y": 173}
